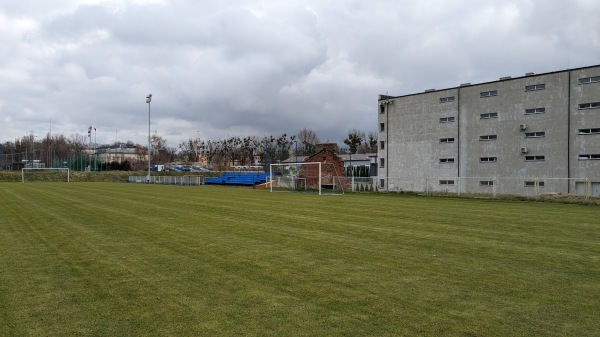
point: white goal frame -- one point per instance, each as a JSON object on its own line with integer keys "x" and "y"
{"x": 45, "y": 169}
{"x": 294, "y": 164}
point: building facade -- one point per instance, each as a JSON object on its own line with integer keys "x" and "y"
{"x": 538, "y": 133}
{"x": 332, "y": 168}
{"x": 117, "y": 153}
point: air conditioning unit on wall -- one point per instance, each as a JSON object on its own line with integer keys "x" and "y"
{"x": 524, "y": 150}
{"x": 523, "y": 127}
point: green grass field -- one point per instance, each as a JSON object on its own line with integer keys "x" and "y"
{"x": 114, "y": 259}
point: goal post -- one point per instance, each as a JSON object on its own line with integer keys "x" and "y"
{"x": 296, "y": 177}
{"x": 49, "y": 174}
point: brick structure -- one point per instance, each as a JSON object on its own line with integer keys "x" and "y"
{"x": 332, "y": 166}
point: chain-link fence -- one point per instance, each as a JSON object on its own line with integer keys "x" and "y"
{"x": 493, "y": 186}
{"x": 169, "y": 180}
{"x": 362, "y": 184}
{"x": 460, "y": 186}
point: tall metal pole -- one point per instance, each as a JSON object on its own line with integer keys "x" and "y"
{"x": 148, "y": 100}
{"x": 296, "y": 151}
{"x": 50, "y": 161}
{"x": 90, "y": 147}
{"x": 95, "y": 151}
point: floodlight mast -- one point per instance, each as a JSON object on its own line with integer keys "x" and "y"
{"x": 148, "y": 100}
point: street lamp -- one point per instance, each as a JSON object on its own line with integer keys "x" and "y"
{"x": 95, "y": 151}
{"x": 90, "y": 147}
{"x": 148, "y": 100}
{"x": 296, "y": 142}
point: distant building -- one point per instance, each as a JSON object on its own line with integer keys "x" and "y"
{"x": 332, "y": 167}
{"x": 357, "y": 160}
{"x": 117, "y": 153}
{"x": 536, "y": 130}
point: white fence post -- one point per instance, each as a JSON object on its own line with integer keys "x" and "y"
{"x": 587, "y": 189}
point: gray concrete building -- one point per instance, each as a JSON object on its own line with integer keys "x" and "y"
{"x": 526, "y": 135}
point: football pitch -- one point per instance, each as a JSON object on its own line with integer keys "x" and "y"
{"x": 110, "y": 259}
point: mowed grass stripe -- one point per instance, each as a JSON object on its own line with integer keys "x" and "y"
{"x": 123, "y": 259}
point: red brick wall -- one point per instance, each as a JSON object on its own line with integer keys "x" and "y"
{"x": 331, "y": 166}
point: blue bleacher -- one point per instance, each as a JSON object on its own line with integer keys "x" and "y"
{"x": 242, "y": 179}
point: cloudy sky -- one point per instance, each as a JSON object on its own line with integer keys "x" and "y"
{"x": 221, "y": 68}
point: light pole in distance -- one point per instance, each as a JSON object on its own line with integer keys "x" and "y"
{"x": 296, "y": 142}
{"x": 148, "y": 100}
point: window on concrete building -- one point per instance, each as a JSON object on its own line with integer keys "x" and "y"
{"x": 446, "y": 119}
{"x": 488, "y": 137}
{"x": 589, "y": 131}
{"x": 535, "y": 158}
{"x": 446, "y": 160}
{"x": 532, "y": 184}
{"x": 535, "y": 134}
{"x": 589, "y": 157}
{"x": 447, "y": 99}
{"x": 446, "y": 140}
{"x": 587, "y": 80}
{"x": 593, "y": 105}
{"x": 382, "y": 127}
{"x": 381, "y": 109}
{"x": 446, "y": 182}
{"x": 488, "y": 159}
{"x": 535, "y": 111}
{"x": 382, "y": 183}
{"x": 489, "y": 115}
{"x": 382, "y": 145}
{"x": 381, "y": 162}
{"x": 488, "y": 93}
{"x": 535, "y": 87}
{"x": 486, "y": 183}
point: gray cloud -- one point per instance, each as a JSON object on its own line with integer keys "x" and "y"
{"x": 237, "y": 68}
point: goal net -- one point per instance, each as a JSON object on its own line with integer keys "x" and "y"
{"x": 45, "y": 174}
{"x": 321, "y": 178}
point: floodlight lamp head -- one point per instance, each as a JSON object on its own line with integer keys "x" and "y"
{"x": 148, "y": 98}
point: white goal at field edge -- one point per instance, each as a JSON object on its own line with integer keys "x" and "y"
{"x": 51, "y": 174}
{"x": 305, "y": 177}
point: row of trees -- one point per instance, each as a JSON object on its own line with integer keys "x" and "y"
{"x": 30, "y": 148}
{"x": 245, "y": 150}
{"x": 218, "y": 153}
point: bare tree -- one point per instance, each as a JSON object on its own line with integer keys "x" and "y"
{"x": 141, "y": 152}
{"x": 354, "y": 139}
{"x": 53, "y": 149}
{"x": 231, "y": 149}
{"x": 369, "y": 145}
{"x": 187, "y": 150}
{"x": 372, "y": 142}
{"x": 77, "y": 142}
{"x": 248, "y": 149}
{"x": 266, "y": 150}
{"x": 282, "y": 150}
{"x": 307, "y": 140}
{"x": 212, "y": 150}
